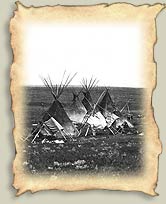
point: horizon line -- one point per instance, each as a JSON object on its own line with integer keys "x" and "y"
{"x": 101, "y": 86}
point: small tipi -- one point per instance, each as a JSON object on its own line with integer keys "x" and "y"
{"x": 77, "y": 111}
{"x": 112, "y": 114}
{"x": 87, "y": 88}
{"x": 106, "y": 104}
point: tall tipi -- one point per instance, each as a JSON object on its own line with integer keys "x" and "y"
{"x": 93, "y": 119}
{"x": 56, "y": 110}
{"x": 56, "y": 117}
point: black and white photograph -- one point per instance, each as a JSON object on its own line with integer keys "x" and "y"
{"x": 88, "y": 117}
{"x": 87, "y": 128}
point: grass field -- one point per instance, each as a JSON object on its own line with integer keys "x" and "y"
{"x": 118, "y": 154}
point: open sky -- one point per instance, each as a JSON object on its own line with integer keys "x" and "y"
{"x": 110, "y": 52}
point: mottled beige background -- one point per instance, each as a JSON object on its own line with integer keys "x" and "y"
{"x": 6, "y": 124}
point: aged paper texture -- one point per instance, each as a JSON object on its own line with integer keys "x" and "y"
{"x": 145, "y": 180}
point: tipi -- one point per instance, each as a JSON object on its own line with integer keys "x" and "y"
{"x": 93, "y": 119}
{"x": 56, "y": 118}
{"x": 76, "y": 111}
{"x": 106, "y": 104}
{"x": 112, "y": 114}
{"x": 87, "y": 88}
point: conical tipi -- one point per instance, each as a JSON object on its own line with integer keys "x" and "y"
{"x": 77, "y": 111}
{"x": 56, "y": 114}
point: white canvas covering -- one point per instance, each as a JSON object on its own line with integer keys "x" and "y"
{"x": 98, "y": 121}
{"x": 76, "y": 111}
{"x": 110, "y": 118}
{"x": 77, "y": 117}
{"x": 121, "y": 121}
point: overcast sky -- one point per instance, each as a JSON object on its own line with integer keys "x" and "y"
{"x": 111, "y": 53}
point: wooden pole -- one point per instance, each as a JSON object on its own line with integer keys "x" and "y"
{"x": 87, "y": 131}
{"x": 37, "y": 134}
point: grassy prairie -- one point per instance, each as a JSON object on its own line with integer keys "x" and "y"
{"x": 118, "y": 154}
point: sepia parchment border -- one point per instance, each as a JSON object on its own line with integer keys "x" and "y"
{"x": 146, "y": 181}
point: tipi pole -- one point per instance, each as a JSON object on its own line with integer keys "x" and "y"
{"x": 125, "y": 105}
{"x": 111, "y": 130}
{"x": 37, "y": 134}
{"x": 87, "y": 131}
{"x": 27, "y": 137}
{"x": 63, "y": 135}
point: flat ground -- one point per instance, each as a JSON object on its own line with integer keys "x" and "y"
{"x": 118, "y": 154}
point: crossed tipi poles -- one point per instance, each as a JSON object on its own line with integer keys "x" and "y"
{"x": 57, "y": 112}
